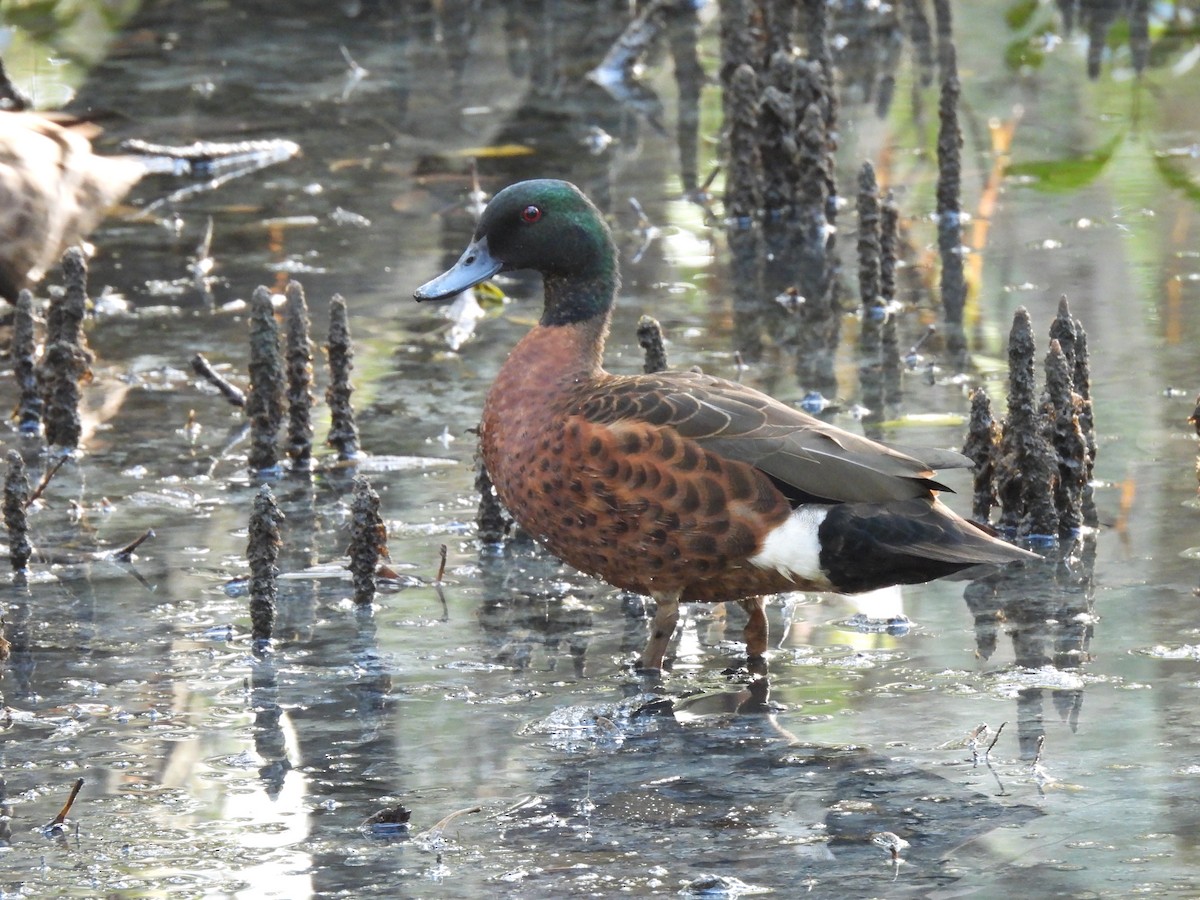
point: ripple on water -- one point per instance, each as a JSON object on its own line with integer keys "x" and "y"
{"x": 1161, "y": 651}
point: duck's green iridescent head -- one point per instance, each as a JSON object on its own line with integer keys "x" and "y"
{"x": 548, "y": 226}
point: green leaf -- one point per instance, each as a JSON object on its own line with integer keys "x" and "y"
{"x": 1023, "y": 54}
{"x": 1020, "y": 14}
{"x": 1065, "y": 175}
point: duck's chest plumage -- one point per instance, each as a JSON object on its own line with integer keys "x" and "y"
{"x": 618, "y": 496}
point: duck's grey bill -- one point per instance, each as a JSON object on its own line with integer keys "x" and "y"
{"x": 475, "y": 266}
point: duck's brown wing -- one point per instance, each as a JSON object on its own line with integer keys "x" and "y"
{"x": 816, "y": 460}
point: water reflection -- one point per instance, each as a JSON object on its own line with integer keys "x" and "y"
{"x": 1046, "y": 609}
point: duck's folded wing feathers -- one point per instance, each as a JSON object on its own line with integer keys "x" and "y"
{"x": 818, "y": 460}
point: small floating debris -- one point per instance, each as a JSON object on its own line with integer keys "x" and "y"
{"x": 814, "y": 403}
{"x": 709, "y": 885}
{"x": 891, "y": 842}
{"x": 390, "y": 820}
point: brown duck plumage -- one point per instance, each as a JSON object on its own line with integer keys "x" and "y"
{"x": 53, "y": 191}
{"x": 679, "y": 485}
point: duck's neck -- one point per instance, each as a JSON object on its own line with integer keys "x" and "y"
{"x": 556, "y": 357}
{"x": 581, "y": 296}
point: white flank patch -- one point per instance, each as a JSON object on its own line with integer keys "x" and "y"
{"x": 793, "y": 548}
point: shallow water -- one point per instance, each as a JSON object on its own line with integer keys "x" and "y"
{"x": 211, "y": 772}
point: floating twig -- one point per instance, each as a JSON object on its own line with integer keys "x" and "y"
{"x": 125, "y": 554}
{"x": 230, "y": 392}
{"x": 57, "y": 821}
{"x": 442, "y": 552}
{"x": 441, "y": 824}
{"x": 50, "y": 473}
{"x": 988, "y": 751}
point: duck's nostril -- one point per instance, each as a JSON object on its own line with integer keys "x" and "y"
{"x": 469, "y": 260}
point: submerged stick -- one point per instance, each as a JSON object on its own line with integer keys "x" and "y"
{"x": 125, "y": 554}
{"x": 66, "y": 809}
{"x": 299, "y": 379}
{"x": 45, "y": 482}
{"x": 16, "y": 499}
{"x": 343, "y": 433}
{"x": 230, "y": 392}
{"x": 264, "y": 404}
{"x": 442, "y": 553}
{"x": 262, "y": 552}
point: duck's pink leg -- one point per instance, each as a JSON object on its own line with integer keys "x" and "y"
{"x": 666, "y": 617}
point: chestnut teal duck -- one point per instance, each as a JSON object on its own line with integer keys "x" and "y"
{"x": 678, "y": 485}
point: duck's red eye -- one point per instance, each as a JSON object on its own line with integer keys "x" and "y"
{"x": 531, "y": 214}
